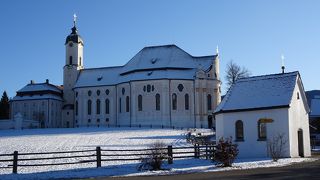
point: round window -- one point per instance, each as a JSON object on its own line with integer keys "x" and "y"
{"x": 107, "y": 91}
{"x": 89, "y": 93}
{"x": 98, "y": 92}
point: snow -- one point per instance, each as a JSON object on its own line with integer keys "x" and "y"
{"x": 260, "y": 92}
{"x": 40, "y": 87}
{"x": 158, "y": 62}
{"x": 44, "y": 140}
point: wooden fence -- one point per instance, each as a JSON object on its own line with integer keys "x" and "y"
{"x": 100, "y": 155}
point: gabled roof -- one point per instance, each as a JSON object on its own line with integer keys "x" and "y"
{"x": 165, "y": 57}
{"x": 259, "y": 92}
{"x": 156, "y": 62}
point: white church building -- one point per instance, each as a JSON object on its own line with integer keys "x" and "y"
{"x": 257, "y": 109}
{"x": 160, "y": 86}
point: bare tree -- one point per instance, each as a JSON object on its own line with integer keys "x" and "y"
{"x": 234, "y": 72}
{"x": 276, "y": 146}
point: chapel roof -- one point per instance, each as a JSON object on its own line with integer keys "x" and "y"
{"x": 259, "y": 92}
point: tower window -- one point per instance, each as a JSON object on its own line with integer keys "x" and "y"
{"x": 89, "y": 107}
{"x": 186, "y": 102}
{"x": 70, "y": 60}
{"x": 157, "y": 102}
{"x": 77, "y": 108}
{"x": 174, "y": 101}
{"x": 139, "y": 103}
{"x": 80, "y": 62}
{"x": 127, "y": 104}
{"x": 107, "y": 106}
{"x": 119, "y": 105}
{"x": 98, "y": 106}
{"x": 209, "y": 100}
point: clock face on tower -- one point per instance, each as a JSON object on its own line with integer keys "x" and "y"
{"x": 70, "y": 44}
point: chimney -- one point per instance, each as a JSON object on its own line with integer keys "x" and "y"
{"x": 47, "y": 81}
{"x": 31, "y": 81}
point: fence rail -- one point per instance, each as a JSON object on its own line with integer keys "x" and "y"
{"x": 101, "y": 155}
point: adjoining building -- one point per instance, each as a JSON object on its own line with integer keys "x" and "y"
{"x": 41, "y": 102}
{"x": 314, "y": 115}
{"x": 257, "y": 109}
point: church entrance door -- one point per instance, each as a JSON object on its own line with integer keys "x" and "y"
{"x": 209, "y": 122}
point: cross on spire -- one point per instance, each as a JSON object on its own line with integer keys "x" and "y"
{"x": 74, "y": 19}
{"x": 282, "y": 63}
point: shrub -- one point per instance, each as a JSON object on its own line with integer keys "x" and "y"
{"x": 276, "y": 146}
{"x": 153, "y": 160}
{"x": 226, "y": 152}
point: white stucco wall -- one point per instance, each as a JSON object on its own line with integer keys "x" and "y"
{"x": 50, "y": 110}
{"x": 299, "y": 119}
{"x": 251, "y": 147}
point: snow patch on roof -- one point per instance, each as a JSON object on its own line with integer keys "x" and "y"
{"x": 40, "y": 87}
{"x": 36, "y": 97}
{"x": 156, "y": 62}
{"x": 259, "y": 92}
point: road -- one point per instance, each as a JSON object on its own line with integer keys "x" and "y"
{"x": 306, "y": 170}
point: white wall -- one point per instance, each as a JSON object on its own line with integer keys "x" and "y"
{"x": 251, "y": 147}
{"x": 299, "y": 119}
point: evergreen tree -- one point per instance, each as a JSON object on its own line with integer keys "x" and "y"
{"x": 4, "y": 106}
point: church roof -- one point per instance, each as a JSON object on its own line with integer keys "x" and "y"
{"x": 151, "y": 63}
{"x": 259, "y": 92}
{"x": 32, "y": 87}
{"x": 35, "y": 91}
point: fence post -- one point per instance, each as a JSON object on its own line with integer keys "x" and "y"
{"x": 196, "y": 151}
{"x": 206, "y": 150}
{"x": 15, "y": 162}
{"x": 98, "y": 149}
{"x": 170, "y": 156}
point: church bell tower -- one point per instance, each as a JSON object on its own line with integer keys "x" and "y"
{"x": 71, "y": 69}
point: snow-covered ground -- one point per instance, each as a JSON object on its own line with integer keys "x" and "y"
{"x": 48, "y": 140}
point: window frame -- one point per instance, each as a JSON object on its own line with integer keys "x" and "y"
{"x": 239, "y": 130}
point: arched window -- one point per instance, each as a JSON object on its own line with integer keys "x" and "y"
{"x": 77, "y": 108}
{"x": 262, "y": 130}
{"x": 127, "y": 104}
{"x": 70, "y": 60}
{"x": 89, "y": 107}
{"x": 209, "y": 100}
{"x": 139, "y": 103}
{"x": 157, "y": 102}
{"x": 98, "y": 106}
{"x": 107, "y": 106}
{"x": 174, "y": 101}
{"x": 239, "y": 130}
{"x": 119, "y": 105}
{"x": 186, "y": 101}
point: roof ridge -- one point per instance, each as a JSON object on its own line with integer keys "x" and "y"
{"x": 266, "y": 75}
{"x": 109, "y": 67}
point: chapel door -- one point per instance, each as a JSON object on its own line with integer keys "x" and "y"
{"x": 300, "y": 143}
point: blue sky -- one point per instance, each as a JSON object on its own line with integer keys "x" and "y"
{"x": 253, "y": 34}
